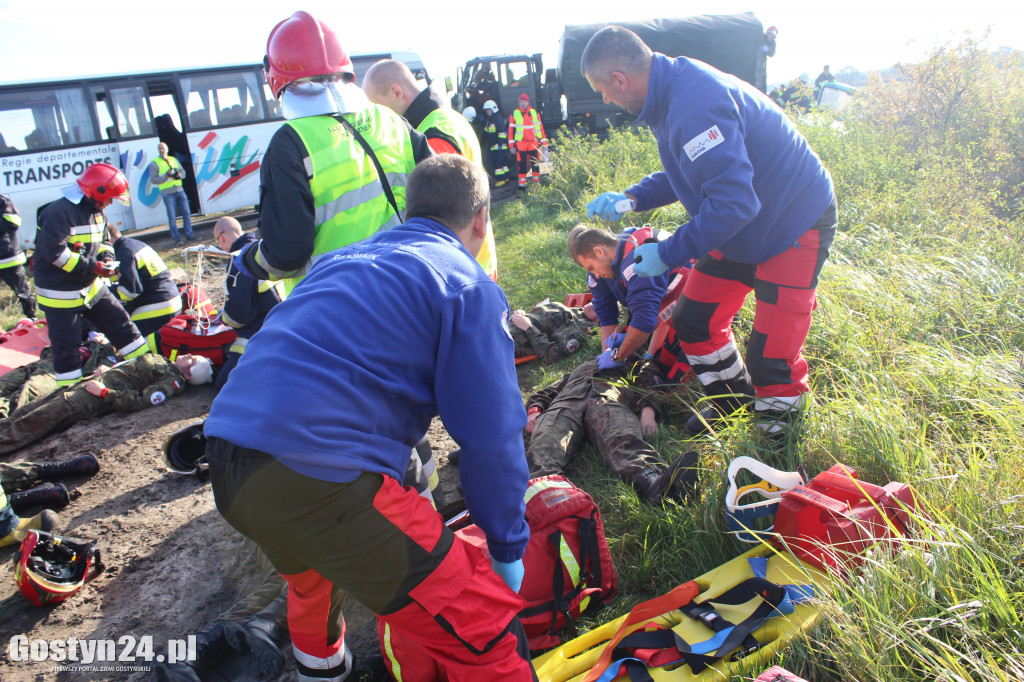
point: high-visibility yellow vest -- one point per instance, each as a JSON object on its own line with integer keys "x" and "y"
{"x": 349, "y": 202}
{"x": 164, "y": 165}
{"x": 454, "y": 125}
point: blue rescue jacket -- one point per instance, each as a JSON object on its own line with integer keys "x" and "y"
{"x": 642, "y": 295}
{"x": 347, "y": 372}
{"x": 747, "y": 177}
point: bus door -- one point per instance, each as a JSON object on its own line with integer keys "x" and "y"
{"x": 231, "y": 117}
{"x": 166, "y": 107}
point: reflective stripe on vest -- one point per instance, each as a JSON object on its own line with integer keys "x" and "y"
{"x": 162, "y": 166}
{"x": 458, "y": 128}
{"x": 17, "y": 259}
{"x": 147, "y": 258}
{"x": 238, "y": 345}
{"x": 55, "y": 298}
{"x": 348, "y": 198}
{"x": 519, "y": 127}
{"x": 151, "y": 310}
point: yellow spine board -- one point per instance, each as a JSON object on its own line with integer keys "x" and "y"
{"x": 573, "y": 660}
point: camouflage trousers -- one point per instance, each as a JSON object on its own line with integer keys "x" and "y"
{"x": 41, "y": 417}
{"x": 611, "y": 426}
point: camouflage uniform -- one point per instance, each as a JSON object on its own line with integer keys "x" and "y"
{"x": 37, "y": 380}
{"x": 134, "y": 384}
{"x": 588, "y": 403}
{"x": 556, "y": 331}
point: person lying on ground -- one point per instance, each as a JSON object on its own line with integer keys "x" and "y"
{"x": 38, "y": 379}
{"x": 551, "y": 330}
{"x": 127, "y": 387}
{"x": 19, "y": 480}
{"x": 614, "y": 410}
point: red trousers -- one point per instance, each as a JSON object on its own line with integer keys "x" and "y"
{"x": 784, "y": 287}
{"x": 387, "y": 547}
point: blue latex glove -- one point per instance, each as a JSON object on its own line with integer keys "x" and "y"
{"x": 511, "y": 573}
{"x": 604, "y": 206}
{"x": 615, "y": 340}
{"x": 606, "y": 361}
{"x": 647, "y": 261}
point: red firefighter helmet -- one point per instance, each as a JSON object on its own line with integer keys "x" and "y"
{"x": 103, "y": 183}
{"x": 300, "y": 47}
{"x": 49, "y": 568}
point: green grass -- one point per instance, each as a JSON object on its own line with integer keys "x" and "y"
{"x": 917, "y": 373}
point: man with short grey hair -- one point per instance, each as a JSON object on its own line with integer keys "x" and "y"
{"x": 762, "y": 218}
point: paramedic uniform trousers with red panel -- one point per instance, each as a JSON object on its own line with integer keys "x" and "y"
{"x": 784, "y": 287}
{"x": 387, "y": 547}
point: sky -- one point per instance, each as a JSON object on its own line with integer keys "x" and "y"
{"x": 59, "y": 39}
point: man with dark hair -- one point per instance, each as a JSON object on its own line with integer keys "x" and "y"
{"x": 609, "y": 262}
{"x": 762, "y": 218}
{"x": 379, "y": 337}
{"x": 144, "y": 286}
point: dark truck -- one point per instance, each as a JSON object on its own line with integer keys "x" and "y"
{"x": 733, "y": 43}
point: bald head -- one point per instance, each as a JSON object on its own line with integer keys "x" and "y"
{"x": 225, "y": 232}
{"x": 617, "y": 63}
{"x": 390, "y": 83}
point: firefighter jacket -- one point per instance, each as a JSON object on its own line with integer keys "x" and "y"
{"x": 319, "y": 190}
{"x": 11, "y": 255}
{"x": 145, "y": 287}
{"x": 749, "y": 180}
{"x": 642, "y": 295}
{"x": 68, "y": 244}
{"x": 160, "y": 174}
{"x": 448, "y": 131}
{"x": 248, "y": 300}
{"x": 496, "y": 132}
{"x": 526, "y": 130}
{"x": 556, "y": 331}
{"x": 348, "y": 371}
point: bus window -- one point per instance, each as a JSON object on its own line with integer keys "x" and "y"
{"x": 131, "y": 112}
{"x": 40, "y": 119}
{"x": 222, "y": 99}
{"x": 164, "y": 104}
{"x": 273, "y": 106}
{"x": 104, "y": 114}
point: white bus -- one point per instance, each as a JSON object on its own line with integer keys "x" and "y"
{"x": 216, "y": 121}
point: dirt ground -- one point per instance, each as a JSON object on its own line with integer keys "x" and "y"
{"x": 173, "y": 564}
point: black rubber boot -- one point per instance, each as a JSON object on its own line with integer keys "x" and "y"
{"x": 257, "y": 636}
{"x": 648, "y": 486}
{"x": 47, "y": 496}
{"x": 370, "y": 670}
{"x": 85, "y": 465}
{"x": 718, "y": 411}
{"x": 210, "y": 644}
{"x": 679, "y": 480}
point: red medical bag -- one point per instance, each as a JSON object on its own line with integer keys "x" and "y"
{"x": 831, "y": 521}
